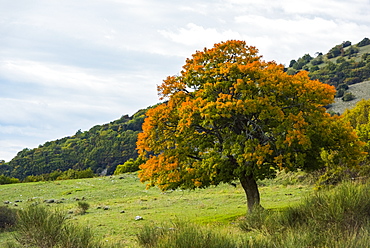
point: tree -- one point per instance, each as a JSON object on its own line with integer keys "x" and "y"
{"x": 232, "y": 116}
{"x": 359, "y": 118}
{"x": 364, "y": 42}
{"x": 348, "y": 97}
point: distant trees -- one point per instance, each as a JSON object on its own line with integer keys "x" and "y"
{"x": 61, "y": 175}
{"x": 337, "y": 67}
{"x": 301, "y": 62}
{"x": 364, "y": 42}
{"x": 8, "y": 180}
{"x": 335, "y": 51}
{"x": 101, "y": 148}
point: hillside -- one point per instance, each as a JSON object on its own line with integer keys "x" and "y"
{"x": 345, "y": 66}
{"x": 359, "y": 90}
{"x": 101, "y": 148}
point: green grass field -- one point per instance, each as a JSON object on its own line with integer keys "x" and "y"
{"x": 125, "y": 197}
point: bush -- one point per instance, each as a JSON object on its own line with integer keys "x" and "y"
{"x": 342, "y": 86}
{"x": 40, "y": 227}
{"x": 76, "y": 174}
{"x": 339, "y": 93}
{"x": 364, "y": 42}
{"x": 83, "y": 207}
{"x": 130, "y": 165}
{"x": 348, "y": 97}
{"x": 8, "y": 180}
{"x": 61, "y": 175}
{"x": 183, "y": 235}
{"x": 317, "y": 61}
{"x": 8, "y": 217}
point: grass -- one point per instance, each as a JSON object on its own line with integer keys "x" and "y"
{"x": 334, "y": 218}
{"x": 218, "y": 206}
{"x": 294, "y": 214}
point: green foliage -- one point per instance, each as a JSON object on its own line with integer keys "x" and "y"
{"x": 8, "y": 217}
{"x": 346, "y": 44}
{"x": 318, "y": 60}
{"x": 82, "y": 207}
{"x": 359, "y": 118}
{"x": 340, "y": 93}
{"x": 183, "y": 235}
{"x": 343, "y": 63}
{"x": 76, "y": 174}
{"x": 364, "y": 42}
{"x": 8, "y": 180}
{"x": 301, "y": 62}
{"x": 61, "y": 175}
{"x": 39, "y": 227}
{"x": 348, "y": 97}
{"x": 101, "y": 148}
{"x": 335, "y": 51}
{"x": 351, "y": 51}
{"x": 130, "y": 165}
{"x": 343, "y": 86}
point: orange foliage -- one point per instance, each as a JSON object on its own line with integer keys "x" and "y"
{"x": 231, "y": 114}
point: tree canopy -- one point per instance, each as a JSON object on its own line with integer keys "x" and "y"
{"x": 231, "y": 116}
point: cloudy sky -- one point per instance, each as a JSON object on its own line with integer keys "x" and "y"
{"x": 69, "y": 65}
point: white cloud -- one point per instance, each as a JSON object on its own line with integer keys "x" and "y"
{"x": 197, "y": 35}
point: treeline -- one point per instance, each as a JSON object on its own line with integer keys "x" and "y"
{"x": 53, "y": 176}
{"x": 343, "y": 65}
{"x": 101, "y": 149}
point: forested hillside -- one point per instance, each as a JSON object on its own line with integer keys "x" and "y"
{"x": 343, "y": 65}
{"x": 101, "y": 148}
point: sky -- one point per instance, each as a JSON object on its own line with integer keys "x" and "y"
{"x": 70, "y": 65}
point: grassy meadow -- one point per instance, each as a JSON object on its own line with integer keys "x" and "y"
{"x": 115, "y": 201}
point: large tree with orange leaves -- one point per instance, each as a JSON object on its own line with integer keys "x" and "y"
{"x": 231, "y": 116}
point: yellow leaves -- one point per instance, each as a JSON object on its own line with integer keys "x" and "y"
{"x": 258, "y": 154}
{"x": 278, "y": 160}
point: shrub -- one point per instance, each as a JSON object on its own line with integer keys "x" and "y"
{"x": 339, "y": 93}
{"x": 317, "y": 61}
{"x": 348, "y": 97}
{"x": 314, "y": 68}
{"x": 352, "y": 80}
{"x": 40, "y": 227}
{"x": 130, "y": 165}
{"x": 61, "y": 175}
{"x": 8, "y": 180}
{"x": 76, "y": 174}
{"x": 183, "y": 235}
{"x": 82, "y": 207}
{"x": 8, "y": 217}
{"x": 342, "y": 86}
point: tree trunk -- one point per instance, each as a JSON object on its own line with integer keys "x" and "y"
{"x": 250, "y": 187}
